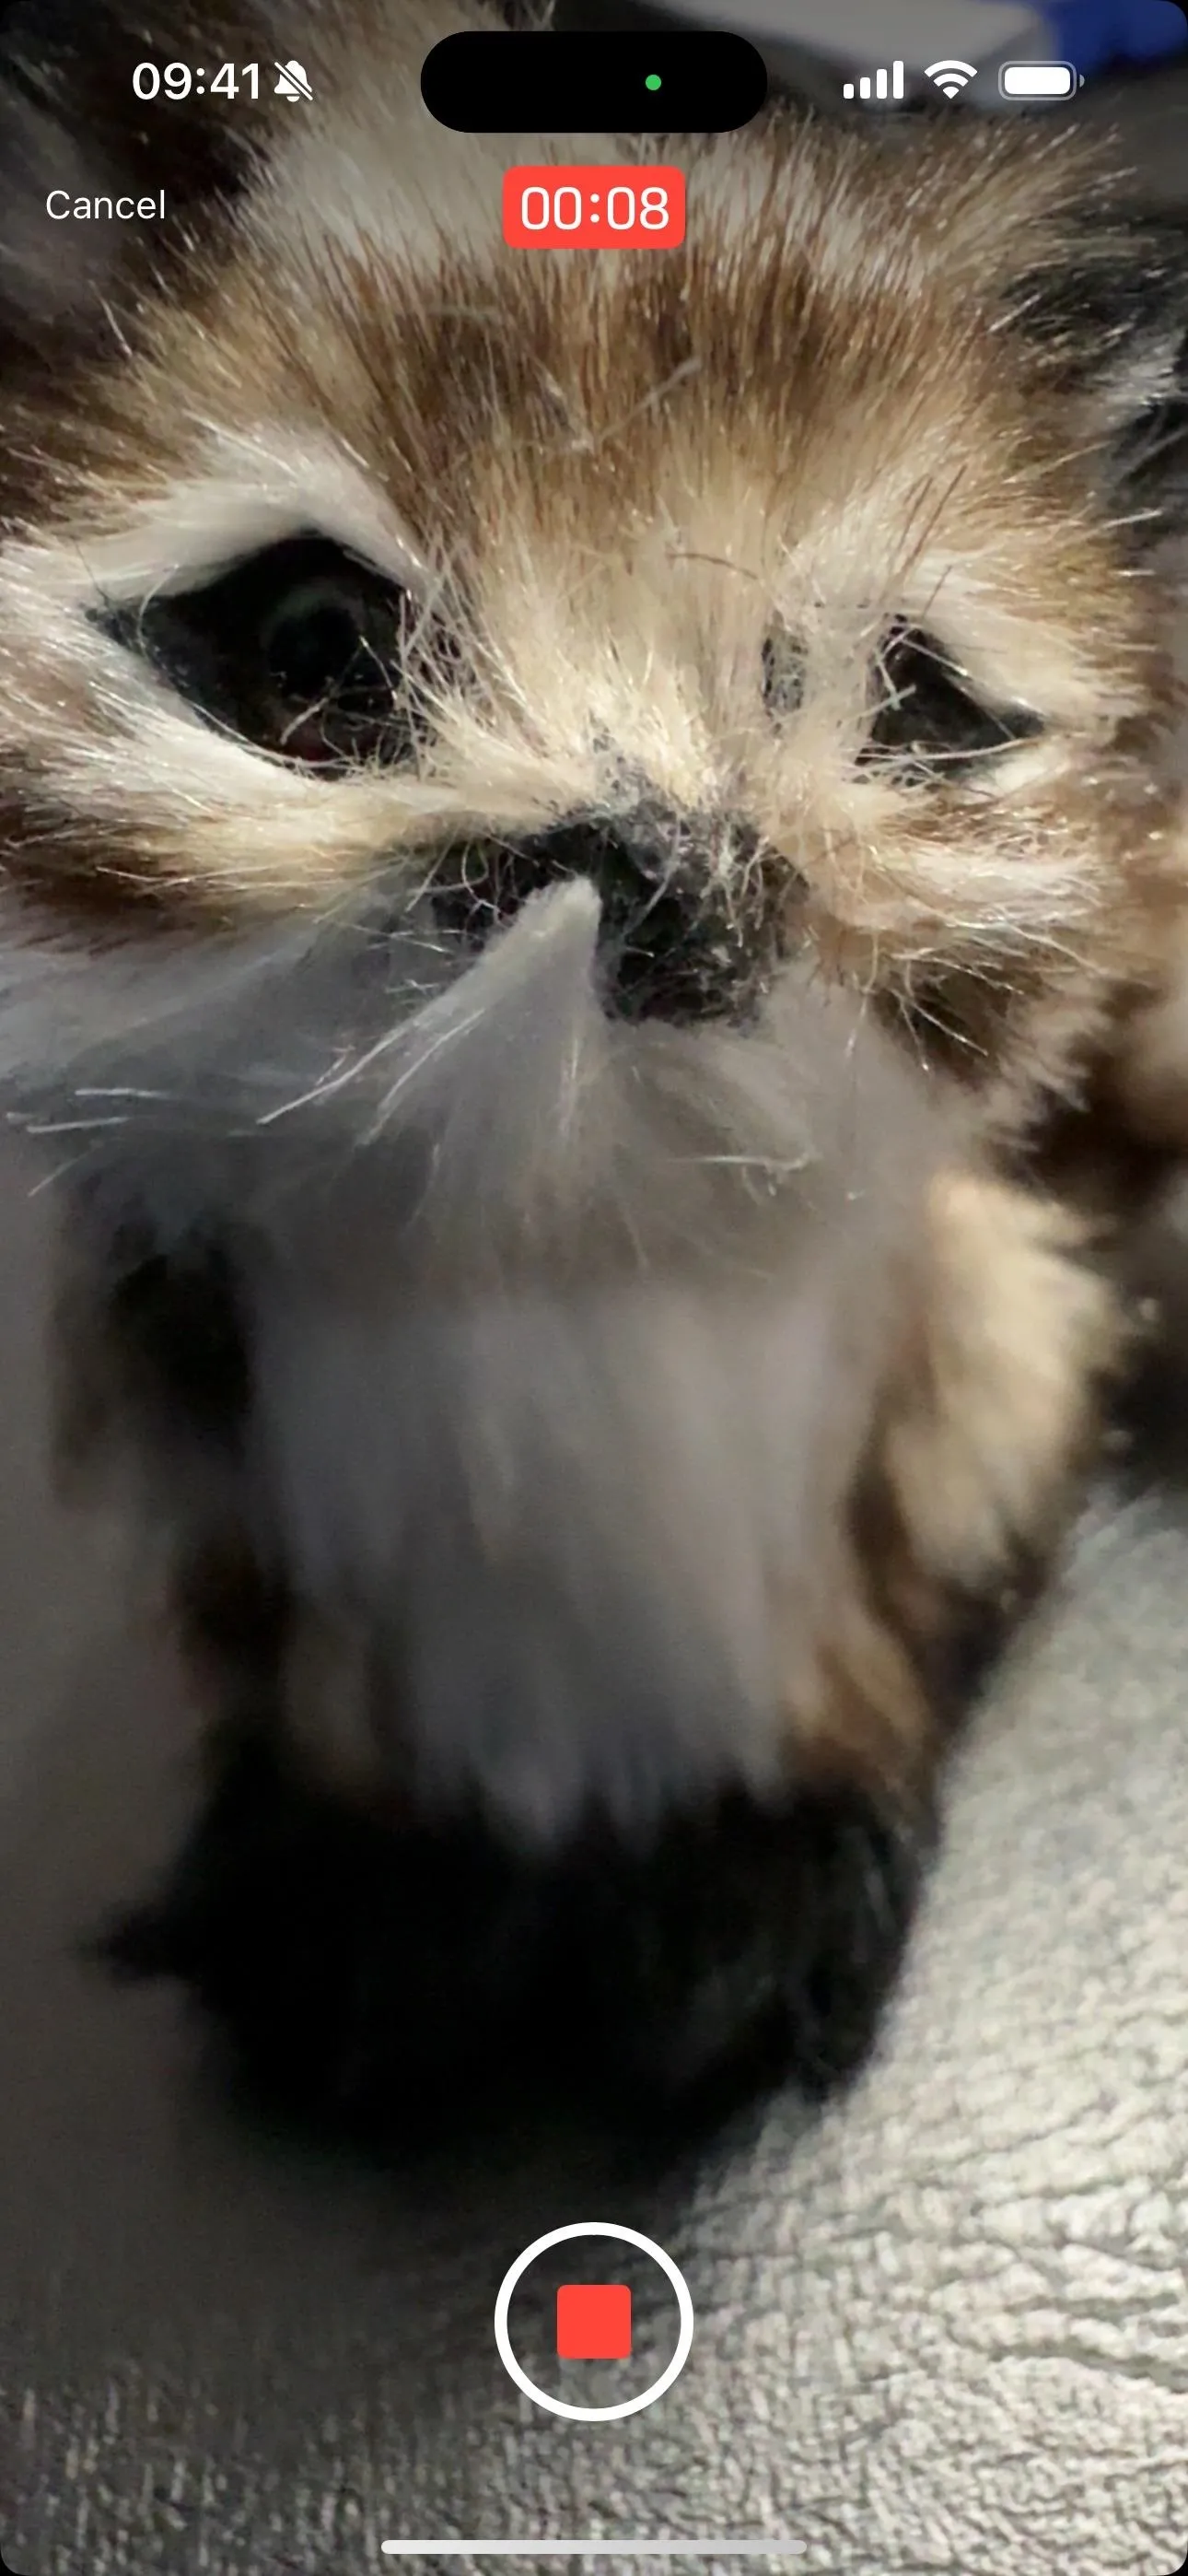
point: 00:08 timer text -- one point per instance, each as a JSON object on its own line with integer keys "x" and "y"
{"x": 594, "y": 205}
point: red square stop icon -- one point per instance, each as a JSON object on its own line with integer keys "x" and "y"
{"x": 594, "y": 2321}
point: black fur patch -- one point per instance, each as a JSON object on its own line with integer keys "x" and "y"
{"x": 372, "y": 1978}
{"x": 176, "y": 1323}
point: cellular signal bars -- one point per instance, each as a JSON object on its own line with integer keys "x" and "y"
{"x": 880, "y": 80}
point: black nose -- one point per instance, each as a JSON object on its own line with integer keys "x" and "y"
{"x": 375, "y": 1977}
{"x": 692, "y": 926}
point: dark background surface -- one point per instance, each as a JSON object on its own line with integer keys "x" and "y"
{"x": 945, "y": 2327}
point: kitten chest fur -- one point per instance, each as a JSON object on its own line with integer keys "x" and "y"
{"x": 534, "y": 1301}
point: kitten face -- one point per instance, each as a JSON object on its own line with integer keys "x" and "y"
{"x": 762, "y": 583}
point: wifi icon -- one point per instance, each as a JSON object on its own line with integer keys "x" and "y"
{"x": 951, "y": 77}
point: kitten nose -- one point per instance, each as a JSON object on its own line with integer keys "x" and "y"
{"x": 692, "y": 929}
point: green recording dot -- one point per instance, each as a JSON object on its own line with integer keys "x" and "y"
{"x": 652, "y": 81}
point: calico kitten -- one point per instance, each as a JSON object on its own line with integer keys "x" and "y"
{"x": 581, "y": 834}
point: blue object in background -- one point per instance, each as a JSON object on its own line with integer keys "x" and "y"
{"x": 1092, "y": 33}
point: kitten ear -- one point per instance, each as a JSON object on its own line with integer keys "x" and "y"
{"x": 69, "y": 119}
{"x": 1112, "y": 322}
{"x": 48, "y": 272}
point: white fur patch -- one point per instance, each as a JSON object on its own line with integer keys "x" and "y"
{"x": 245, "y": 492}
{"x": 565, "y": 1339}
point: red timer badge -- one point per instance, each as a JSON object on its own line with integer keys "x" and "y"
{"x": 594, "y": 206}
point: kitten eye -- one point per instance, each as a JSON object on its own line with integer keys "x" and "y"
{"x": 302, "y": 649}
{"x": 928, "y": 720}
{"x": 314, "y": 640}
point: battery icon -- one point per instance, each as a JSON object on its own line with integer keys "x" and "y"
{"x": 1040, "y": 80}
